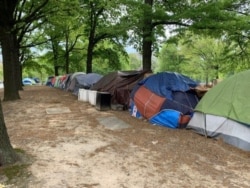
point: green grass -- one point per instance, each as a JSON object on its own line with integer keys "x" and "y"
{"x": 18, "y": 173}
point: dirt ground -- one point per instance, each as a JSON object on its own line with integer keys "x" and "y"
{"x": 72, "y": 149}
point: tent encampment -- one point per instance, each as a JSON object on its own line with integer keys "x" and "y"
{"x": 85, "y": 81}
{"x": 223, "y": 112}
{"x": 119, "y": 84}
{"x": 165, "y": 98}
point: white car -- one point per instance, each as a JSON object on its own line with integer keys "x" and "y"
{"x": 28, "y": 81}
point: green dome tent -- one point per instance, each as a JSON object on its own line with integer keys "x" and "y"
{"x": 224, "y": 111}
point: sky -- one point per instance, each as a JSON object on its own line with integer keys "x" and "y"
{"x": 130, "y": 49}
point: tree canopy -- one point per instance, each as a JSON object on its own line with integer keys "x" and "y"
{"x": 94, "y": 33}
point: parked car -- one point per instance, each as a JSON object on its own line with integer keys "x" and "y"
{"x": 37, "y": 80}
{"x": 28, "y": 81}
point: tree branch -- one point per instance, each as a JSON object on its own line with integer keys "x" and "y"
{"x": 154, "y": 24}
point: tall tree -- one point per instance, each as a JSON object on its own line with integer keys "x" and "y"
{"x": 101, "y": 22}
{"x": 16, "y": 19}
{"x": 202, "y": 57}
{"x": 10, "y": 50}
{"x": 155, "y": 16}
{"x": 10, "y": 24}
{"x": 205, "y": 54}
{"x": 63, "y": 36}
{"x": 169, "y": 59}
{"x": 147, "y": 34}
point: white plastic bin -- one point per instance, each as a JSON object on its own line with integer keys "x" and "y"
{"x": 92, "y": 97}
{"x": 80, "y": 95}
{"x": 83, "y": 95}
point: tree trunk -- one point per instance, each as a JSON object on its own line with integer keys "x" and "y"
{"x": 67, "y": 54}
{"x": 10, "y": 50}
{"x": 67, "y": 62}
{"x": 89, "y": 58}
{"x": 146, "y": 54}
{"x": 147, "y": 38}
{"x": 90, "y": 48}
{"x": 19, "y": 72}
{"x": 10, "y": 64}
{"x": 67, "y": 51}
{"x": 7, "y": 153}
{"x": 55, "y": 56}
{"x": 20, "y": 87}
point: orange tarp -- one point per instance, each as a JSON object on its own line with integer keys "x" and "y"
{"x": 147, "y": 102}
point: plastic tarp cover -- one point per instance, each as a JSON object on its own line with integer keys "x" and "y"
{"x": 147, "y": 102}
{"x": 87, "y": 80}
{"x": 167, "y": 118}
{"x": 119, "y": 84}
{"x": 165, "y": 83}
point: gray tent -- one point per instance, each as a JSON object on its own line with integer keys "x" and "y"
{"x": 84, "y": 81}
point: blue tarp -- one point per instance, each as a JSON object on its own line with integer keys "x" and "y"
{"x": 177, "y": 90}
{"x": 167, "y": 118}
{"x": 164, "y": 83}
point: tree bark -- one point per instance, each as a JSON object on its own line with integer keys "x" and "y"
{"x": 7, "y": 153}
{"x": 55, "y": 56}
{"x": 146, "y": 54}
{"x": 91, "y": 45}
{"x": 147, "y": 38}
{"x": 89, "y": 57}
{"x": 18, "y": 71}
{"x": 10, "y": 50}
{"x": 10, "y": 64}
{"x": 67, "y": 51}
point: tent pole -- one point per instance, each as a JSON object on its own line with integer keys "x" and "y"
{"x": 205, "y": 124}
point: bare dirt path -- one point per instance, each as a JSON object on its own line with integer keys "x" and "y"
{"x": 72, "y": 149}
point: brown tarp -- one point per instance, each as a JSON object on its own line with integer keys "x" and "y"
{"x": 119, "y": 84}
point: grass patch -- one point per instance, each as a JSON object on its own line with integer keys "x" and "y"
{"x": 16, "y": 174}
{"x": 15, "y": 171}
